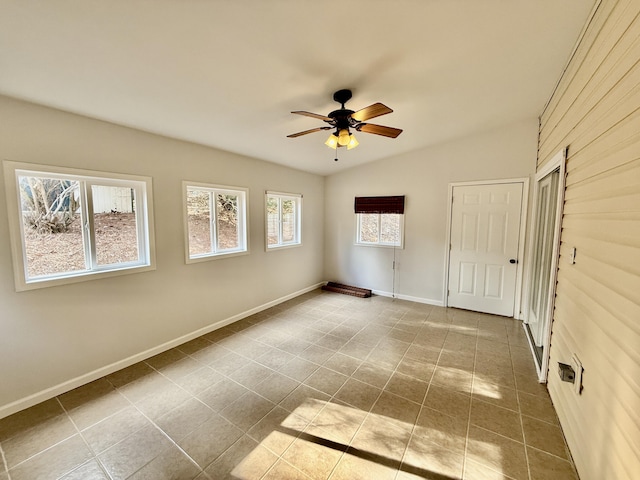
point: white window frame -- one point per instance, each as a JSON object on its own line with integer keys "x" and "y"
{"x": 297, "y": 241}
{"x": 243, "y": 209}
{"x": 378, "y": 243}
{"x": 86, "y": 178}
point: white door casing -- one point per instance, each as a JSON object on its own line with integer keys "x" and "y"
{"x": 484, "y": 247}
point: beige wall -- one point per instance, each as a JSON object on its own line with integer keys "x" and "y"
{"x": 51, "y": 336}
{"x": 596, "y": 113}
{"x": 423, "y": 177}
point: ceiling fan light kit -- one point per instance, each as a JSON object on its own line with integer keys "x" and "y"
{"x": 343, "y": 119}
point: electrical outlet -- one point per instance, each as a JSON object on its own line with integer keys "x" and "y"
{"x": 577, "y": 367}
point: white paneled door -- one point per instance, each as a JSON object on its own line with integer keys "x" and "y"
{"x": 483, "y": 260}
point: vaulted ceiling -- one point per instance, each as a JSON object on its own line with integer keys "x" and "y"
{"x": 228, "y": 73}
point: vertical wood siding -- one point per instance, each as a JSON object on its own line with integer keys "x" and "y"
{"x": 595, "y": 110}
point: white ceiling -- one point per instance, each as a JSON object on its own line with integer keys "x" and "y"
{"x": 228, "y": 73}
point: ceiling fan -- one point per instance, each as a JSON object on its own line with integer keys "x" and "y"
{"x": 344, "y": 119}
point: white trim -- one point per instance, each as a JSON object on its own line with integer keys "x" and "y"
{"x": 521, "y": 235}
{"x": 428, "y": 301}
{"x": 31, "y": 400}
{"x": 557, "y": 162}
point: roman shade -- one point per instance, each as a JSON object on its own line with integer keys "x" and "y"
{"x": 394, "y": 204}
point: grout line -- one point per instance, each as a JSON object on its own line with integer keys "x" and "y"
{"x": 4, "y": 462}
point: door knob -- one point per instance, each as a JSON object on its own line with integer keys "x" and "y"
{"x": 513, "y": 260}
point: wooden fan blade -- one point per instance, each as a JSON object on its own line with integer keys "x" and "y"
{"x": 313, "y": 115}
{"x": 294, "y": 135}
{"x": 371, "y": 111}
{"x": 379, "y": 130}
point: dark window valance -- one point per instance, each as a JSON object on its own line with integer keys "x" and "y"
{"x": 380, "y": 204}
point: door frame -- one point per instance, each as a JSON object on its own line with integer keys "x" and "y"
{"x": 521, "y": 236}
{"x": 557, "y": 162}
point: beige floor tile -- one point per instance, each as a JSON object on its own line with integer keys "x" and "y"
{"x": 276, "y": 387}
{"x": 247, "y": 410}
{"x": 337, "y": 424}
{"x": 342, "y": 363}
{"x": 353, "y": 467}
{"x": 162, "y": 400}
{"x": 544, "y": 436}
{"x": 549, "y": 467}
{"x": 326, "y": 380}
{"x": 496, "y": 394}
{"x": 40, "y": 437}
{"x": 88, "y": 471}
{"x": 407, "y": 387}
{"x": 253, "y": 465}
{"x": 497, "y": 452}
{"x": 425, "y": 459}
{"x": 392, "y": 390}
{"x": 398, "y": 408}
{"x": 55, "y": 462}
{"x": 448, "y": 401}
{"x": 453, "y": 378}
{"x": 529, "y": 384}
{"x": 171, "y": 464}
{"x": 199, "y": 380}
{"x": 222, "y": 394}
{"x": 135, "y": 451}
{"x": 210, "y": 440}
{"x": 497, "y": 419}
{"x": 298, "y": 369}
{"x": 372, "y": 374}
{"x": 114, "y": 429}
{"x": 416, "y": 369}
{"x": 538, "y": 406}
{"x": 27, "y": 419}
{"x": 250, "y": 374}
{"x": 358, "y": 394}
{"x": 476, "y": 471}
{"x": 282, "y": 470}
{"x": 225, "y": 463}
{"x": 314, "y": 459}
{"x": 275, "y": 358}
{"x": 184, "y": 419}
{"x": 382, "y": 440}
{"x": 447, "y": 431}
{"x": 305, "y": 402}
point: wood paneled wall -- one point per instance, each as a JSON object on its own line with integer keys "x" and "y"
{"x": 595, "y": 111}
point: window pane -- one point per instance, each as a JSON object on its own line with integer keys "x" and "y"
{"x": 114, "y": 222}
{"x": 199, "y": 222}
{"x": 52, "y": 226}
{"x": 390, "y": 228}
{"x": 288, "y": 221}
{"x": 273, "y": 221}
{"x": 227, "y": 209}
{"x": 369, "y": 227}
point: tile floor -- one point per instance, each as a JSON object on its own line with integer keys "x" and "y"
{"x": 325, "y": 386}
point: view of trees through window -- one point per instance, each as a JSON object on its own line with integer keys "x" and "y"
{"x": 379, "y": 228}
{"x": 281, "y": 220}
{"x": 213, "y": 229}
{"x": 55, "y": 240}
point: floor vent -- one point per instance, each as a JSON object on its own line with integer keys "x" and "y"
{"x": 347, "y": 290}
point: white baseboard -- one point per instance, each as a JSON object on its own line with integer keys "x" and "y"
{"x": 31, "y": 400}
{"x": 428, "y": 301}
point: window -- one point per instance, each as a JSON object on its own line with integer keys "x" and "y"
{"x": 68, "y": 224}
{"x": 215, "y": 220}
{"x": 284, "y": 213}
{"x": 380, "y": 221}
